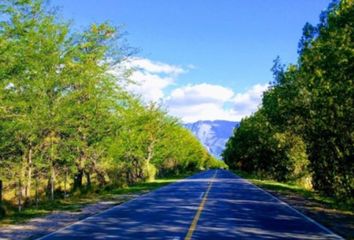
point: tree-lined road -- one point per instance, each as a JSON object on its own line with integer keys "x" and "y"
{"x": 213, "y": 204}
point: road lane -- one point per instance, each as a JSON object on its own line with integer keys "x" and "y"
{"x": 232, "y": 209}
{"x": 163, "y": 214}
{"x": 237, "y": 209}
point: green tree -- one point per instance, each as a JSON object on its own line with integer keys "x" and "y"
{"x": 326, "y": 75}
{"x": 308, "y": 107}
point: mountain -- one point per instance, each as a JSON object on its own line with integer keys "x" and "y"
{"x": 213, "y": 134}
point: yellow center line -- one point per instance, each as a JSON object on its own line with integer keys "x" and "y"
{"x": 199, "y": 212}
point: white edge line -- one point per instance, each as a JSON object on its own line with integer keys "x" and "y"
{"x": 117, "y": 206}
{"x": 295, "y": 210}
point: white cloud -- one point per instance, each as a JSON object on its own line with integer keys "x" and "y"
{"x": 200, "y": 94}
{"x": 211, "y": 102}
{"x": 246, "y": 103}
{"x": 147, "y": 65}
{"x": 190, "y": 102}
{"x": 149, "y": 86}
{"x": 150, "y": 77}
{"x": 204, "y": 111}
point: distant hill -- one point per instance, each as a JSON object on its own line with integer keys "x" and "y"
{"x": 213, "y": 134}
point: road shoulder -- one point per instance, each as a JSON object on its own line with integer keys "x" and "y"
{"x": 44, "y": 225}
{"x": 38, "y": 226}
{"x": 340, "y": 221}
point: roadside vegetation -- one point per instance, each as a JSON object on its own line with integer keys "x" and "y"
{"x": 291, "y": 188}
{"x": 331, "y": 212}
{"x": 303, "y": 132}
{"x": 67, "y": 124}
{"x": 76, "y": 201}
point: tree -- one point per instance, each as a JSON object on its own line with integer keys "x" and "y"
{"x": 66, "y": 121}
{"x": 326, "y": 73}
{"x": 309, "y": 107}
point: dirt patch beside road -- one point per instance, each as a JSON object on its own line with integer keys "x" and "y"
{"x": 340, "y": 222}
{"x": 44, "y": 225}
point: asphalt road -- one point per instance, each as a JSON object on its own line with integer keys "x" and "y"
{"x": 214, "y": 204}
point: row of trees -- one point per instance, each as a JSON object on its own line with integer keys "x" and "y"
{"x": 65, "y": 122}
{"x": 304, "y": 128}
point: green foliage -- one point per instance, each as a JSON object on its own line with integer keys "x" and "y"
{"x": 257, "y": 147}
{"x": 75, "y": 203}
{"x": 66, "y": 124}
{"x": 290, "y": 189}
{"x": 327, "y": 73}
{"x": 304, "y": 129}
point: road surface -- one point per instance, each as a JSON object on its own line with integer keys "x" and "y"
{"x": 214, "y": 204}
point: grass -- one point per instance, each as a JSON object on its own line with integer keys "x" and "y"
{"x": 332, "y": 213}
{"x": 78, "y": 201}
{"x": 291, "y": 188}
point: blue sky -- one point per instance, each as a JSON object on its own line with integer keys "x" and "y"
{"x": 204, "y": 59}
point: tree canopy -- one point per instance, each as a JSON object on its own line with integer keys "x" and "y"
{"x": 304, "y": 127}
{"x": 65, "y": 122}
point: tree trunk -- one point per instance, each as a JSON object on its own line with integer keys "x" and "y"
{"x": 52, "y": 170}
{"x": 80, "y": 170}
{"x": 0, "y": 191}
{"x": 52, "y": 187}
{"x": 19, "y": 195}
{"x": 36, "y": 191}
{"x": 150, "y": 151}
{"x": 29, "y": 173}
{"x": 51, "y": 183}
{"x": 88, "y": 179}
{"x": 78, "y": 179}
{"x": 100, "y": 177}
{"x": 65, "y": 182}
{"x": 99, "y": 174}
